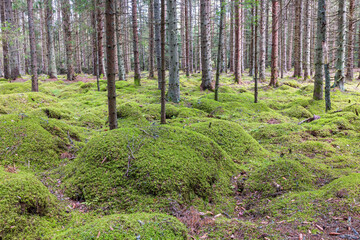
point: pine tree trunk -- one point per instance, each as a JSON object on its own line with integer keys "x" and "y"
{"x": 163, "y": 85}
{"x": 119, "y": 47}
{"x": 231, "y": 41}
{"x": 267, "y": 62}
{"x": 319, "y": 57}
{"x": 220, "y": 44}
{"x": 5, "y": 44}
{"x": 110, "y": 13}
{"x": 43, "y": 43}
{"x": 307, "y": 40}
{"x": 68, "y": 40}
{"x": 174, "y": 84}
{"x": 275, "y": 42}
{"x": 187, "y": 45}
{"x": 340, "y": 54}
{"x": 50, "y": 40}
{"x": 206, "y": 80}
{"x": 298, "y": 39}
{"x": 34, "y": 76}
{"x": 290, "y": 41}
{"x": 157, "y": 39}
{"x": 191, "y": 45}
{"x": 137, "y": 75}
{"x": 350, "y": 43}
{"x": 12, "y": 48}
{"x": 262, "y": 47}
{"x": 151, "y": 39}
{"x": 237, "y": 53}
{"x": 100, "y": 27}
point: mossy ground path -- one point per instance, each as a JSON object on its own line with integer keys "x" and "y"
{"x": 252, "y": 163}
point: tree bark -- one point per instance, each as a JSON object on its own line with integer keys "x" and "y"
{"x": 174, "y": 84}
{"x": 157, "y": 39}
{"x": 5, "y": 43}
{"x": 221, "y": 26}
{"x": 34, "y": 76}
{"x": 206, "y": 79}
{"x": 350, "y": 43}
{"x": 237, "y": 57}
{"x": 119, "y": 47}
{"x": 50, "y": 40}
{"x": 151, "y": 39}
{"x": 275, "y": 40}
{"x": 307, "y": 40}
{"x": 137, "y": 75}
{"x": 262, "y": 47}
{"x": 68, "y": 40}
{"x": 298, "y": 39}
{"x": 340, "y": 54}
{"x": 187, "y": 45}
{"x": 12, "y": 48}
{"x": 319, "y": 57}
{"x": 110, "y": 12}
{"x": 100, "y": 27}
{"x": 163, "y": 85}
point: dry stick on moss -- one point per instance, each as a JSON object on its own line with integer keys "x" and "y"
{"x": 315, "y": 117}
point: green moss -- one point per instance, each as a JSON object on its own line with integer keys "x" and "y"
{"x": 315, "y": 147}
{"x": 191, "y": 112}
{"x": 128, "y": 110}
{"x": 137, "y": 169}
{"x": 152, "y": 111}
{"x": 130, "y": 226}
{"x": 8, "y": 88}
{"x": 57, "y": 113}
{"x": 297, "y": 112}
{"x": 91, "y": 120}
{"x": 293, "y": 84}
{"x": 207, "y": 105}
{"x": 279, "y": 177}
{"x": 232, "y": 138}
{"x": 270, "y": 131}
{"x": 27, "y": 208}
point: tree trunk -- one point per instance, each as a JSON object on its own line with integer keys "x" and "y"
{"x": 13, "y": 50}
{"x": 187, "y": 56}
{"x": 110, "y": 12}
{"x": 319, "y": 57}
{"x": 50, "y": 40}
{"x": 237, "y": 57}
{"x": 158, "y": 39}
{"x": 174, "y": 84}
{"x": 255, "y": 54}
{"x": 340, "y": 54}
{"x": 206, "y": 80}
{"x": 100, "y": 27}
{"x": 151, "y": 39}
{"x": 34, "y": 76}
{"x": 221, "y": 26}
{"x": 231, "y": 41}
{"x": 68, "y": 40}
{"x": 163, "y": 85}
{"x": 298, "y": 39}
{"x": 307, "y": 40}
{"x": 137, "y": 75}
{"x": 119, "y": 47}
{"x": 262, "y": 47}
{"x": 267, "y": 34}
{"x": 350, "y": 43}
{"x": 275, "y": 40}
{"x": 190, "y": 28}
{"x": 5, "y": 44}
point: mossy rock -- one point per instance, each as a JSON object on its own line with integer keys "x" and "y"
{"x": 153, "y": 111}
{"x": 297, "y": 112}
{"x": 25, "y": 142}
{"x": 27, "y": 208}
{"x": 128, "y": 226}
{"x": 128, "y": 110}
{"x": 138, "y": 168}
{"x": 207, "y": 105}
{"x": 233, "y": 139}
{"x": 293, "y": 84}
{"x": 278, "y": 178}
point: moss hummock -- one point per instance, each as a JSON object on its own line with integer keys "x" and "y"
{"x": 128, "y": 226}
{"x": 138, "y": 168}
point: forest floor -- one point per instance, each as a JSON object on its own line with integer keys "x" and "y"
{"x": 231, "y": 169}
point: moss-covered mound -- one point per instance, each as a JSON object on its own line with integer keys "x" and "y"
{"x": 279, "y": 177}
{"x": 297, "y": 112}
{"x": 132, "y": 168}
{"x": 232, "y": 138}
{"x": 34, "y": 142}
{"x": 128, "y": 226}
{"x": 26, "y": 205}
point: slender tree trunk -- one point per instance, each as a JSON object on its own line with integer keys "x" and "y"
{"x": 262, "y": 47}
{"x": 68, "y": 40}
{"x": 5, "y": 43}
{"x": 119, "y": 47}
{"x": 187, "y": 45}
{"x": 100, "y": 27}
{"x": 319, "y": 57}
{"x": 275, "y": 40}
{"x": 158, "y": 39}
{"x": 163, "y": 85}
{"x": 359, "y": 48}
{"x": 298, "y": 39}
{"x": 237, "y": 19}
{"x": 350, "y": 43}
{"x": 231, "y": 41}
{"x": 174, "y": 84}
{"x": 12, "y": 48}
{"x": 110, "y": 12}
{"x": 190, "y": 28}
{"x": 340, "y": 55}
{"x": 307, "y": 40}
{"x": 50, "y": 40}
{"x": 34, "y": 76}
{"x": 137, "y": 75}
{"x": 206, "y": 80}
{"x": 151, "y": 39}
{"x": 251, "y": 46}
{"x": 221, "y": 26}
{"x": 267, "y": 34}
{"x": 44, "y": 46}
{"x": 290, "y": 41}
{"x": 255, "y": 54}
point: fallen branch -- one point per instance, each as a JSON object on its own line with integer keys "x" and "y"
{"x": 315, "y": 117}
